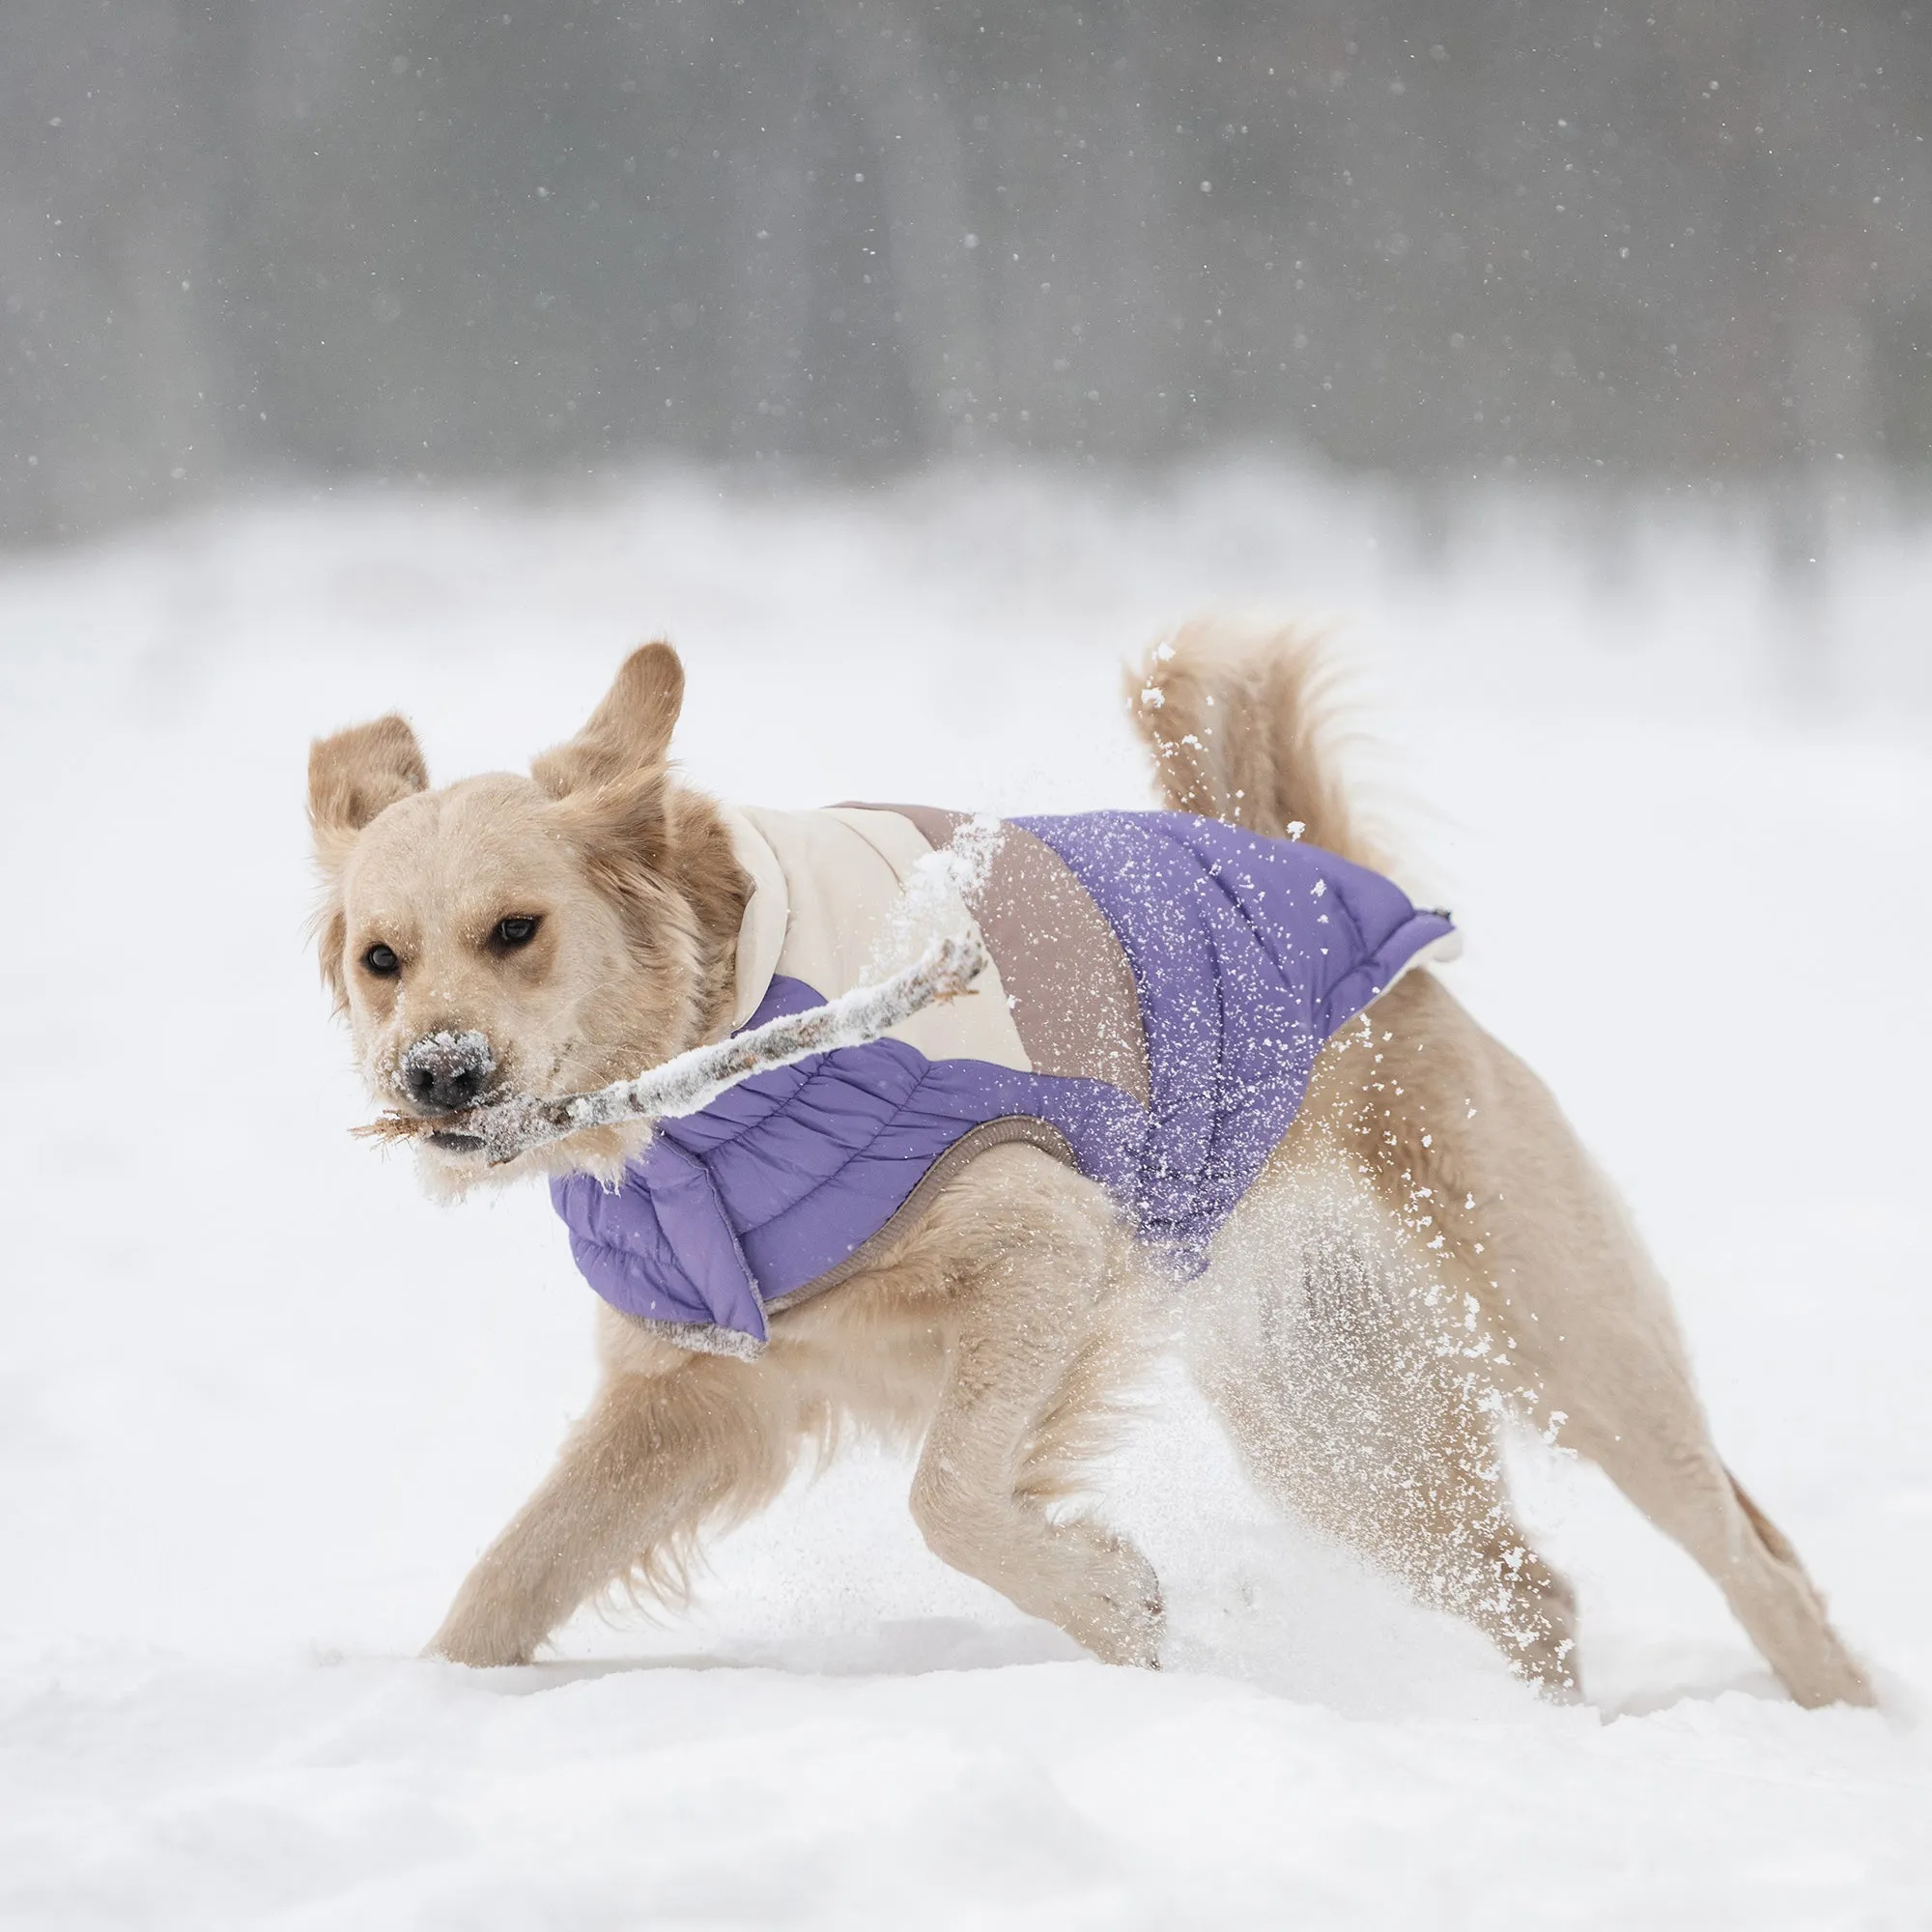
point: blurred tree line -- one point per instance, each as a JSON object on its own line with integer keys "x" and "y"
{"x": 244, "y": 237}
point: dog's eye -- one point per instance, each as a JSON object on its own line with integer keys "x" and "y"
{"x": 510, "y": 934}
{"x": 381, "y": 960}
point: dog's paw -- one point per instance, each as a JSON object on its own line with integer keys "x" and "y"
{"x": 1125, "y": 1619}
{"x": 473, "y": 1636}
{"x": 1830, "y": 1675}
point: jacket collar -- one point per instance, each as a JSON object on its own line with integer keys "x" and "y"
{"x": 761, "y": 935}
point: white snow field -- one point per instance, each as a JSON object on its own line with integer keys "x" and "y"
{"x": 261, "y": 1402}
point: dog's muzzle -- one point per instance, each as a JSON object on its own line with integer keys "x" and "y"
{"x": 446, "y": 1072}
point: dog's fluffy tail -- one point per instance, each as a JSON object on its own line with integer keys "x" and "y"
{"x": 1240, "y": 725}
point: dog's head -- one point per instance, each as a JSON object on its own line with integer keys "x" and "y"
{"x": 540, "y": 935}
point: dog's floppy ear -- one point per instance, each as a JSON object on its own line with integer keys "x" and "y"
{"x": 609, "y": 782}
{"x": 627, "y": 737}
{"x": 352, "y": 776}
{"x": 611, "y": 786}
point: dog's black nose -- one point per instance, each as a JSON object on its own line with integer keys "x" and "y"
{"x": 445, "y": 1072}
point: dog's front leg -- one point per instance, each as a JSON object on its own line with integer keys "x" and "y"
{"x": 1045, "y": 1336}
{"x": 972, "y": 1501}
{"x": 655, "y": 1460}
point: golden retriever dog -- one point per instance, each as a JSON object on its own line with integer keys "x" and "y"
{"x": 1428, "y": 1253}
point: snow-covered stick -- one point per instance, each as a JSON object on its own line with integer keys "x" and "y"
{"x": 504, "y": 1129}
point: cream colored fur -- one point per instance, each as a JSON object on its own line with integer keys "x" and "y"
{"x": 1428, "y": 1250}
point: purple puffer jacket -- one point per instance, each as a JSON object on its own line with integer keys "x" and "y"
{"x": 1246, "y": 955}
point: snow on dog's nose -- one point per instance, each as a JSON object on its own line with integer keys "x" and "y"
{"x": 445, "y": 1072}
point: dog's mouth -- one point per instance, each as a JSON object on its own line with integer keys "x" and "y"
{"x": 504, "y": 1131}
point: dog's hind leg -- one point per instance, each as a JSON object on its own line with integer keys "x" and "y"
{"x": 1532, "y": 1233}
{"x": 1619, "y": 1373}
{"x": 657, "y": 1459}
{"x": 1043, "y": 1331}
{"x": 1325, "y": 1340}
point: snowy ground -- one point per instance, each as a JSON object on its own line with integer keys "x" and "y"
{"x": 260, "y": 1404}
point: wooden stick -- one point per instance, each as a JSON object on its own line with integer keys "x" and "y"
{"x": 502, "y": 1129}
